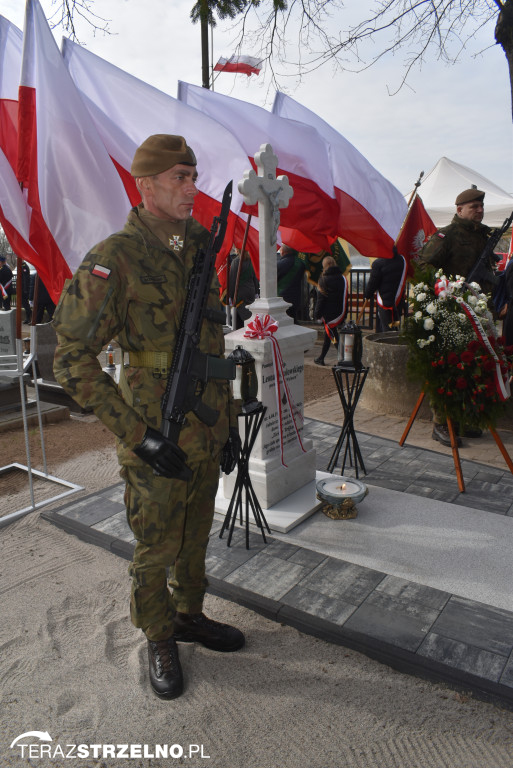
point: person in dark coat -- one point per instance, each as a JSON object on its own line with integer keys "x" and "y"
{"x": 25, "y": 291}
{"x": 290, "y": 278}
{"x": 247, "y": 289}
{"x": 44, "y": 301}
{"x": 387, "y": 280}
{"x": 5, "y": 284}
{"x": 331, "y": 304}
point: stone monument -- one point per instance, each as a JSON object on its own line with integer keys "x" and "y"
{"x": 282, "y": 464}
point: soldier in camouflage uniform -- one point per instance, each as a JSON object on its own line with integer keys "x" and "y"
{"x": 132, "y": 287}
{"x": 456, "y": 249}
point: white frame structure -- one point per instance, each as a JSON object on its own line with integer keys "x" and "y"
{"x": 15, "y": 366}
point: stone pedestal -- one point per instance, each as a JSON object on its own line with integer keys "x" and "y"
{"x": 271, "y": 480}
{"x": 387, "y": 388}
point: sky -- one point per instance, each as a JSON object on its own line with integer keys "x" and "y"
{"x": 460, "y": 111}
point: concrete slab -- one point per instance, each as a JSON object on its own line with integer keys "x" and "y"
{"x": 463, "y": 551}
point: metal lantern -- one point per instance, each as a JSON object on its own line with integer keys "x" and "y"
{"x": 245, "y": 384}
{"x": 350, "y": 346}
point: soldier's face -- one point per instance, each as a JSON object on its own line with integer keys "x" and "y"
{"x": 473, "y": 211}
{"x": 170, "y": 195}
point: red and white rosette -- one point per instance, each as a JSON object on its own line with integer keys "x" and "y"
{"x": 501, "y": 381}
{"x": 264, "y": 327}
{"x": 441, "y": 287}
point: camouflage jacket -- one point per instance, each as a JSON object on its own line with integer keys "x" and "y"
{"x": 456, "y": 248}
{"x": 131, "y": 288}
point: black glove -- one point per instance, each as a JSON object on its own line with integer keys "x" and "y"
{"x": 231, "y": 451}
{"x": 166, "y": 458}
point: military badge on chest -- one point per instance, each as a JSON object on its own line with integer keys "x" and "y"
{"x": 176, "y": 243}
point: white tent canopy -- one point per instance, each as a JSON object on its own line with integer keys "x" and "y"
{"x": 447, "y": 179}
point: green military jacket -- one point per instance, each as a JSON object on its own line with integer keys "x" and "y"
{"x": 457, "y": 247}
{"x": 132, "y": 288}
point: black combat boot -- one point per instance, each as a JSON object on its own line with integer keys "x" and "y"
{"x": 198, "y": 628}
{"x": 441, "y": 433}
{"x": 166, "y": 676}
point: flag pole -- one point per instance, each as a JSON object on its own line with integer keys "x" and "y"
{"x": 410, "y": 202}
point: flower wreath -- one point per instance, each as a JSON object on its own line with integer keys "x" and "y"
{"x": 455, "y": 352}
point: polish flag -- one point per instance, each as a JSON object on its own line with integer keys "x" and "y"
{"x": 371, "y": 209}
{"x": 246, "y": 65}
{"x": 126, "y": 110}
{"x": 75, "y": 194}
{"x": 14, "y": 211}
{"x": 302, "y": 156}
{"x": 416, "y": 230}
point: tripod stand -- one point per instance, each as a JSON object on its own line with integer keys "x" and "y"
{"x": 253, "y": 422}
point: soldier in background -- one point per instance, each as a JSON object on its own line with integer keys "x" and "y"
{"x": 456, "y": 249}
{"x": 132, "y": 287}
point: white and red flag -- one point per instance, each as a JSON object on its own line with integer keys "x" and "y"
{"x": 416, "y": 230}
{"x": 75, "y": 194}
{"x": 302, "y": 156}
{"x": 14, "y": 211}
{"x": 246, "y": 65}
{"x": 371, "y": 209}
{"x": 126, "y": 110}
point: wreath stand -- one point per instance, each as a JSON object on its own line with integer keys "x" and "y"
{"x": 454, "y": 444}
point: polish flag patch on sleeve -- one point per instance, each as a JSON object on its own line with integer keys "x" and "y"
{"x": 100, "y": 271}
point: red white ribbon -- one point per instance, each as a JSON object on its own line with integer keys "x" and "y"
{"x": 264, "y": 327}
{"x": 501, "y": 382}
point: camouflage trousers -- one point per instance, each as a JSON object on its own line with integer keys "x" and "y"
{"x": 171, "y": 522}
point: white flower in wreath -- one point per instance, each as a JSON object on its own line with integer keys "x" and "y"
{"x": 431, "y": 308}
{"x": 472, "y": 300}
{"x": 421, "y": 343}
{"x": 481, "y": 306}
{"x": 421, "y": 297}
{"x": 418, "y": 316}
{"x": 475, "y": 286}
{"x": 431, "y": 338}
{"x": 458, "y": 299}
{"x": 429, "y": 323}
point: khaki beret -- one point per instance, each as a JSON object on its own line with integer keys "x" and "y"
{"x": 159, "y": 153}
{"x": 469, "y": 195}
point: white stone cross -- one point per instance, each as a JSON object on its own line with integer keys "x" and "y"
{"x": 271, "y": 193}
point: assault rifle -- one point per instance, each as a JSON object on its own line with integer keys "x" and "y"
{"x": 190, "y": 368}
{"x": 481, "y": 271}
